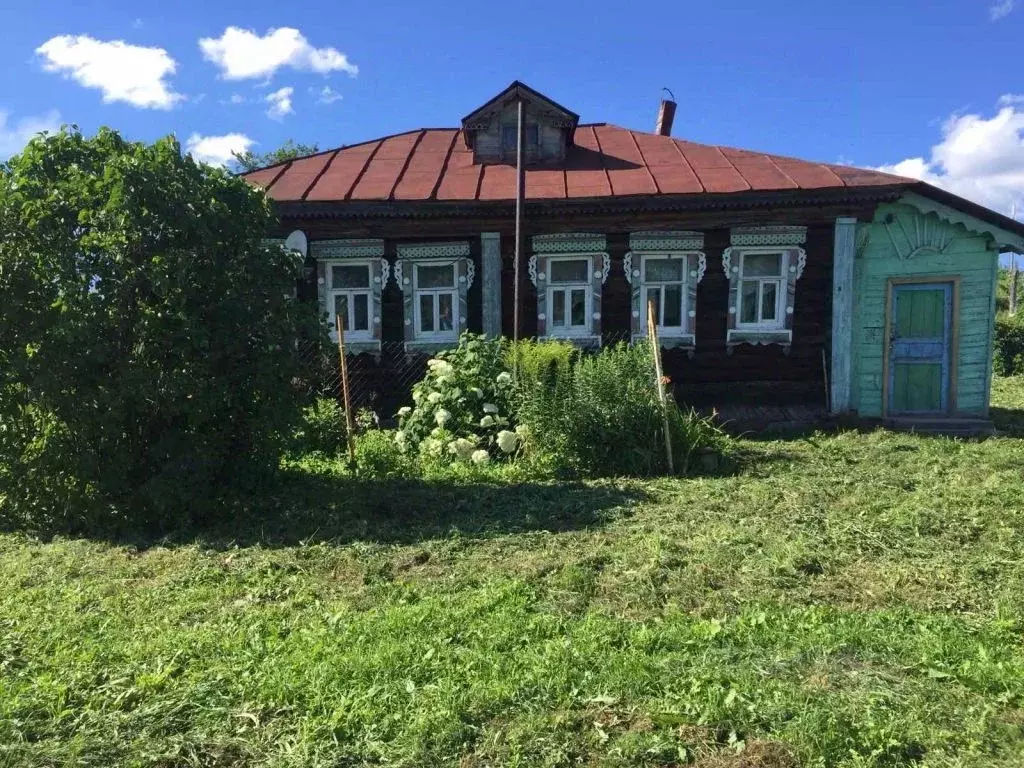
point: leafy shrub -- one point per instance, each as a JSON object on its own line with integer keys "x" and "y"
{"x": 533, "y": 360}
{"x": 461, "y": 407}
{"x": 1009, "y": 345}
{"x": 322, "y": 427}
{"x": 603, "y": 417}
{"x": 379, "y": 457}
{"x": 147, "y": 335}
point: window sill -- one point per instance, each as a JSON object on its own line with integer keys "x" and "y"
{"x": 779, "y": 336}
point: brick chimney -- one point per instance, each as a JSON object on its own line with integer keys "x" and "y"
{"x": 666, "y": 114}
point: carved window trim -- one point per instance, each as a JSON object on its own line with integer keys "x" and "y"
{"x": 410, "y": 256}
{"x": 693, "y": 272}
{"x": 369, "y": 252}
{"x": 784, "y": 240}
{"x": 568, "y": 246}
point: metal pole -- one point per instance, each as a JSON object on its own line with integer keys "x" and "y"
{"x": 1013, "y": 271}
{"x": 520, "y": 136}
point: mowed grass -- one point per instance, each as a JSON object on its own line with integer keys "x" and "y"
{"x": 851, "y": 599}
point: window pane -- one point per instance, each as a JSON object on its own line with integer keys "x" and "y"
{"x": 361, "y": 312}
{"x": 445, "y": 319}
{"x": 769, "y": 295}
{"x": 435, "y": 276}
{"x": 762, "y": 265}
{"x": 508, "y": 137}
{"x": 579, "y": 307}
{"x": 663, "y": 270}
{"x": 748, "y": 301}
{"x": 350, "y": 276}
{"x": 573, "y": 271}
{"x": 558, "y": 309}
{"x": 673, "y": 316}
{"x": 341, "y": 309}
{"x": 427, "y": 313}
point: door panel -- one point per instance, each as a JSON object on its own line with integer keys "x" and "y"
{"x": 919, "y": 348}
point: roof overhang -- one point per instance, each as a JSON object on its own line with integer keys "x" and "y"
{"x": 1006, "y": 233}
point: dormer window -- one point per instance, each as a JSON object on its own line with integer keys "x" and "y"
{"x": 492, "y": 130}
{"x": 509, "y": 135}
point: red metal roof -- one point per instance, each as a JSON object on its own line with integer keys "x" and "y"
{"x": 605, "y": 160}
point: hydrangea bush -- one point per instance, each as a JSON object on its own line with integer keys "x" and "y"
{"x": 462, "y": 407}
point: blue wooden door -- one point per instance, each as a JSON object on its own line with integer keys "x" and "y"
{"x": 919, "y": 348}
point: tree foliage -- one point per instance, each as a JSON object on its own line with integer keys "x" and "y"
{"x": 250, "y": 161}
{"x": 146, "y": 332}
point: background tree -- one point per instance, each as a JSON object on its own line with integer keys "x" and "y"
{"x": 250, "y": 161}
{"x": 146, "y": 332}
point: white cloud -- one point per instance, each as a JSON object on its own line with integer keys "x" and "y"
{"x": 1001, "y": 8}
{"x": 1009, "y": 99}
{"x": 280, "y": 102}
{"x": 979, "y": 158}
{"x": 216, "y": 150}
{"x": 325, "y": 95}
{"x": 122, "y": 72}
{"x": 235, "y": 99}
{"x": 14, "y": 137}
{"x": 241, "y": 54}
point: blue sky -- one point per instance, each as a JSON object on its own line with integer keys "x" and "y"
{"x": 933, "y": 89}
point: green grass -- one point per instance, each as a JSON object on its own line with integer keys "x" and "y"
{"x": 850, "y": 599}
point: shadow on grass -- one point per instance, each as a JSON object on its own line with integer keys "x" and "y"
{"x": 299, "y": 507}
{"x": 1008, "y": 420}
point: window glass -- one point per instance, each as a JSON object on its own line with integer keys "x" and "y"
{"x": 361, "y": 312}
{"x": 427, "y": 313}
{"x": 673, "y": 306}
{"x": 748, "y": 301}
{"x": 663, "y": 270}
{"x": 558, "y": 309}
{"x": 350, "y": 276}
{"x": 341, "y": 309}
{"x": 769, "y": 295}
{"x": 435, "y": 276}
{"x": 569, "y": 271}
{"x": 445, "y": 321}
{"x": 762, "y": 265}
{"x": 579, "y": 307}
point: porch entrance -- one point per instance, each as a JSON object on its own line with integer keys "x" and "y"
{"x": 920, "y": 348}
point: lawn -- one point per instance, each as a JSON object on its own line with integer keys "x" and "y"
{"x": 851, "y": 599}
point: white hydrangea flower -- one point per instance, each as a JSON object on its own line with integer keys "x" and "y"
{"x": 432, "y": 447}
{"x": 487, "y": 421}
{"x": 480, "y": 456}
{"x": 522, "y": 430}
{"x": 461, "y": 447}
{"x": 440, "y": 367}
{"x": 478, "y": 392}
{"x": 507, "y": 441}
{"x": 405, "y": 410}
{"x": 434, "y": 397}
{"x": 504, "y": 377}
{"x": 399, "y": 437}
{"x": 442, "y": 417}
{"x": 490, "y": 408}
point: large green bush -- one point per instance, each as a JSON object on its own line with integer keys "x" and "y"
{"x": 147, "y": 333}
{"x": 1009, "y": 346}
{"x": 602, "y": 416}
{"x": 461, "y": 407}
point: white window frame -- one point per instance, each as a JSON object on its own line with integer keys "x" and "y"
{"x": 351, "y": 293}
{"x": 570, "y": 332}
{"x": 778, "y": 323}
{"x": 435, "y": 336}
{"x": 645, "y": 285}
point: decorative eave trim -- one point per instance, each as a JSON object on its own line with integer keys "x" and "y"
{"x": 570, "y": 242}
{"x": 347, "y": 249}
{"x": 452, "y": 250}
{"x": 1004, "y": 239}
{"x": 680, "y": 240}
{"x": 769, "y": 235}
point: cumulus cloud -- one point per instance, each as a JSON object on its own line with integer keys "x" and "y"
{"x": 280, "y": 102}
{"x": 14, "y": 137}
{"x": 217, "y": 150}
{"x": 325, "y": 95}
{"x": 121, "y": 72}
{"x": 242, "y": 53}
{"x": 980, "y": 158}
{"x": 1000, "y": 9}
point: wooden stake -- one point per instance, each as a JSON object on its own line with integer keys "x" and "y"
{"x": 824, "y": 373}
{"x": 349, "y": 425}
{"x": 652, "y": 334}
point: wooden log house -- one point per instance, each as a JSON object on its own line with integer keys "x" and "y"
{"x": 776, "y": 280}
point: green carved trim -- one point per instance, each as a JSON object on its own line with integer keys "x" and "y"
{"x": 347, "y": 249}
{"x": 1004, "y": 239}
{"x": 678, "y": 240}
{"x": 570, "y": 242}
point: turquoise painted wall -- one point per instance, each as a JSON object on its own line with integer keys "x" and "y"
{"x": 963, "y": 253}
